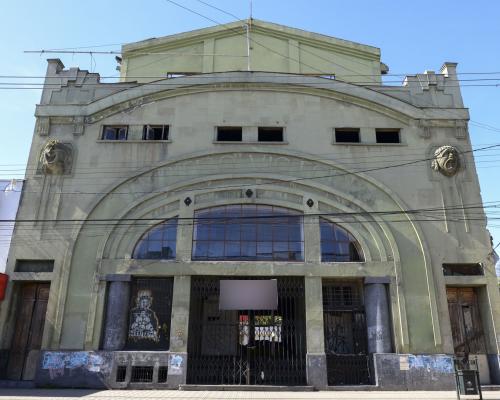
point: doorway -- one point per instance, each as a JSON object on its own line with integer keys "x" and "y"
{"x": 346, "y": 343}
{"x": 28, "y": 331}
{"x": 246, "y": 347}
{"x": 466, "y": 326}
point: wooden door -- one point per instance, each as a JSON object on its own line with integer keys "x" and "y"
{"x": 27, "y": 339}
{"x": 466, "y": 326}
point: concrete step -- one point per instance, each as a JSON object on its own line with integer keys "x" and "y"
{"x": 487, "y": 388}
{"x": 253, "y": 388}
{"x": 355, "y": 388}
{"x": 16, "y": 384}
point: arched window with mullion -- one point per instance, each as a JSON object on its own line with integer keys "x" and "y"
{"x": 248, "y": 232}
{"x": 159, "y": 242}
{"x": 337, "y": 244}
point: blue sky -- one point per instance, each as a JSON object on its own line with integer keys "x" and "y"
{"x": 413, "y": 37}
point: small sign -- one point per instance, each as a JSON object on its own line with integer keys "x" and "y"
{"x": 404, "y": 363}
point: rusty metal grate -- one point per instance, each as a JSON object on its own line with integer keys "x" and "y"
{"x": 162, "y": 374}
{"x": 142, "y": 375}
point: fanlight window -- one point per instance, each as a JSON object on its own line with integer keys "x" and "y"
{"x": 159, "y": 242}
{"x": 338, "y": 245}
{"x": 248, "y": 232}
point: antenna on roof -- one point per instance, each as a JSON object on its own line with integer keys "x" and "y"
{"x": 251, "y": 11}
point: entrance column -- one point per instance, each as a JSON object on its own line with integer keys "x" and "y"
{"x": 377, "y": 315}
{"x": 115, "y": 330}
{"x": 316, "y": 358}
{"x": 177, "y": 362}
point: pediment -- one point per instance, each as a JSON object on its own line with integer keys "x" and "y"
{"x": 273, "y": 48}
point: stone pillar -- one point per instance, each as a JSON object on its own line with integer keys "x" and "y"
{"x": 117, "y": 308}
{"x": 377, "y": 315}
{"x": 316, "y": 358}
{"x": 177, "y": 364}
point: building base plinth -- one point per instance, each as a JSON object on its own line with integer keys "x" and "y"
{"x": 413, "y": 372}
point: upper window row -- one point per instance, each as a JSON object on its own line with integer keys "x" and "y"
{"x": 352, "y": 135}
{"x": 235, "y": 134}
{"x": 248, "y": 233}
{"x": 149, "y": 132}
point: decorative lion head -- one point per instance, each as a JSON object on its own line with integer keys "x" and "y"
{"x": 446, "y": 160}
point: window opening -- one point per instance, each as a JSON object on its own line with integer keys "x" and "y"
{"x": 347, "y": 135}
{"x": 142, "y": 375}
{"x": 387, "y": 136}
{"x": 159, "y": 243}
{"x": 462, "y": 269}
{"x": 121, "y": 373}
{"x": 229, "y": 133}
{"x": 162, "y": 374}
{"x": 270, "y": 134}
{"x": 115, "y": 132}
{"x": 337, "y": 244}
{"x": 155, "y": 132}
{"x": 34, "y": 266}
{"x": 248, "y": 232}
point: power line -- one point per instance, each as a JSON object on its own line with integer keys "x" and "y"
{"x": 273, "y": 180}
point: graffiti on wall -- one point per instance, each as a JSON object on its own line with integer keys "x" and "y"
{"x": 441, "y": 364}
{"x": 56, "y": 362}
{"x": 144, "y": 323}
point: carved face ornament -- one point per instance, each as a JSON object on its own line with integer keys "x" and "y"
{"x": 54, "y": 158}
{"x": 447, "y": 160}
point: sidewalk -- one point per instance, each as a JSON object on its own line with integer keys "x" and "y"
{"x": 77, "y": 394}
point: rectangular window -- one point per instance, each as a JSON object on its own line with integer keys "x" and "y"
{"x": 270, "y": 134}
{"x": 388, "y": 136}
{"x": 347, "y": 135}
{"x": 34, "y": 266}
{"x": 229, "y": 134}
{"x": 462, "y": 269}
{"x": 155, "y": 132}
{"x": 114, "y": 132}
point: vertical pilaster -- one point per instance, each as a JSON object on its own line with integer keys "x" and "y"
{"x": 316, "y": 358}
{"x": 185, "y": 228}
{"x": 115, "y": 328}
{"x": 377, "y": 315}
{"x": 312, "y": 237}
{"x": 177, "y": 367}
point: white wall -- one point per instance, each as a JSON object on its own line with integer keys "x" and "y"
{"x": 10, "y": 193}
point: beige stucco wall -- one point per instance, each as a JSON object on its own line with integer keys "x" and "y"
{"x": 250, "y": 45}
{"x": 122, "y": 181}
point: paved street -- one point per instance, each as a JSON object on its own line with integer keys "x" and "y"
{"x": 67, "y": 394}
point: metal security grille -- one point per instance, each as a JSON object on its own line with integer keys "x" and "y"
{"x": 121, "y": 373}
{"x": 246, "y": 346}
{"x": 149, "y": 316}
{"x": 345, "y": 334}
{"x": 142, "y": 375}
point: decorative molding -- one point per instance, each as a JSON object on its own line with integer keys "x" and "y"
{"x": 425, "y": 128}
{"x": 42, "y": 126}
{"x": 78, "y": 125}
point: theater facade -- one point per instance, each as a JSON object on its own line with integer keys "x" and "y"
{"x": 249, "y": 205}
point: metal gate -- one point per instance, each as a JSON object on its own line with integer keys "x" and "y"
{"x": 345, "y": 334}
{"x": 246, "y": 347}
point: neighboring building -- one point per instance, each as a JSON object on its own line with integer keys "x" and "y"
{"x": 303, "y": 225}
{"x": 10, "y": 194}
